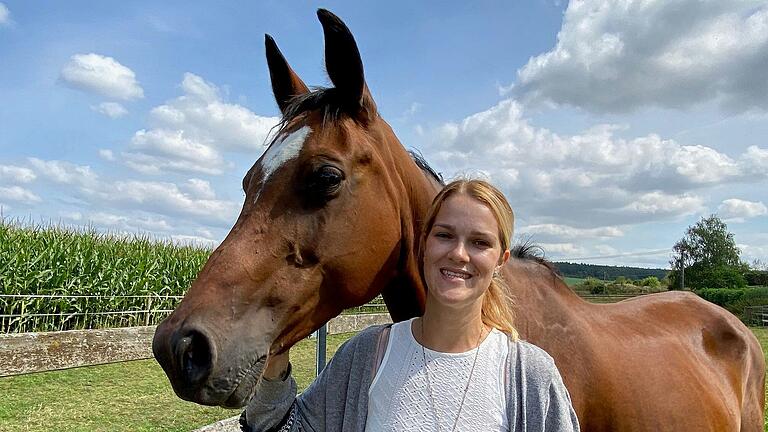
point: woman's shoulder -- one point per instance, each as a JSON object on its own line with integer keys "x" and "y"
{"x": 531, "y": 359}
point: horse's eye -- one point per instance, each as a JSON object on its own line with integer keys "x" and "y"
{"x": 325, "y": 181}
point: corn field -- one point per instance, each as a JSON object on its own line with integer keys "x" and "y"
{"x": 76, "y": 279}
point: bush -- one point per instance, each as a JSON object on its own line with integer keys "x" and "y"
{"x": 621, "y": 286}
{"x": 650, "y": 282}
{"x": 593, "y": 285}
{"x": 756, "y": 277}
{"x": 735, "y": 300}
{"x": 622, "y": 280}
{"x": 698, "y": 276}
{"x": 721, "y": 296}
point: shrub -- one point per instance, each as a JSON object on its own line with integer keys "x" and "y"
{"x": 700, "y": 276}
{"x": 756, "y": 277}
{"x": 623, "y": 280}
{"x": 735, "y": 300}
{"x": 621, "y": 286}
{"x": 721, "y": 296}
{"x": 593, "y": 285}
{"x": 650, "y": 282}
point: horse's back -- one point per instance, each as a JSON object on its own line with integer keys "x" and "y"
{"x": 680, "y": 355}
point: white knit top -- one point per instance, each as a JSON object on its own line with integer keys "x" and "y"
{"x": 399, "y": 398}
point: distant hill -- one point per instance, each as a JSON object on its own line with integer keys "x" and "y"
{"x": 606, "y": 272}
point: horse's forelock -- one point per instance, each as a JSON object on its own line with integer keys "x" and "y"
{"x": 328, "y": 101}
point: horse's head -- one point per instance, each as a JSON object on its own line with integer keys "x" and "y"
{"x": 321, "y": 230}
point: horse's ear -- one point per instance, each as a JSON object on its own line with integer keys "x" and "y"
{"x": 343, "y": 63}
{"x": 285, "y": 83}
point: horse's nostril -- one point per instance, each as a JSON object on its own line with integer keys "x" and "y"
{"x": 193, "y": 353}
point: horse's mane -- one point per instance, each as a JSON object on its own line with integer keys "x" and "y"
{"x": 419, "y": 160}
{"x": 528, "y": 250}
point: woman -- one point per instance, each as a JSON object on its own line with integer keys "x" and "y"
{"x": 460, "y": 366}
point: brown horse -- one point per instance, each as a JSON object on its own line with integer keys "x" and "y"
{"x": 331, "y": 218}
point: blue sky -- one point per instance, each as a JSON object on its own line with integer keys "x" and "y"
{"x": 610, "y": 125}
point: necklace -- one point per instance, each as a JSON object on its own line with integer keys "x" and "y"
{"x": 429, "y": 386}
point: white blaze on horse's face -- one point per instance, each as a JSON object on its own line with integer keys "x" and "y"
{"x": 281, "y": 152}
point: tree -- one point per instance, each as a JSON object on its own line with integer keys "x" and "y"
{"x": 757, "y": 274}
{"x": 707, "y": 257}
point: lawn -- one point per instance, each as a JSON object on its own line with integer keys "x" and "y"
{"x": 130, "y": 396}
{"x": 571, "y": 281}
{"x": 762, "y": 336}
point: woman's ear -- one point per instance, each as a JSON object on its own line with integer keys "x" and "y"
{"x": 504, "y": 258}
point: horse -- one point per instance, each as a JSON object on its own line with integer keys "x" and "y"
{"x": 332, "y": 215}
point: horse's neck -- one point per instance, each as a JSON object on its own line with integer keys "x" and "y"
{"x": 542, "y": 299}
{"x": 405, "y": 295}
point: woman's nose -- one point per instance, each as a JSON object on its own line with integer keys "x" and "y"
{"x": 459, "y": 252}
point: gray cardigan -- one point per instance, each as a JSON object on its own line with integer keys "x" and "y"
{"x": 337, "y": 400}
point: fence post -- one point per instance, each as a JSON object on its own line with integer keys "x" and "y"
{"x": 149, "y": 308}
{"x": 320, "y": 349}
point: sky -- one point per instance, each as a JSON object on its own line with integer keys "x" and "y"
{"x": 611, "y": 126}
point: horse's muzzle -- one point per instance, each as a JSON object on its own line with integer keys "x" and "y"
{"x": 187, "y": 356}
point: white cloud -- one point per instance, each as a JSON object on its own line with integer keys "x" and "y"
{"x": 751, "y": 252}
{"x": 554, "y": 251}
{"x": 160, "y": 149}
{"x": 737, "y": 210}
{"x": 101, "y": 75}
{"x": 194, "y": 240}
{"x": 199, "y": 203}
{"x": 122, "y": 222}
{"x": 661, "y": 204}
{"x": 189, "y": 133}
{"x": 619, "y": 55}
{"x": 19, "y": 194}
{"x": 107, "y": 154}
{"x": 112, "y": 110}
{"x": 755, "y": 161}
{"x": 199, "y": 189}
{"x": 168, "y": 199}
{"x": 203, "y": 116}
{"x": 553, "y": 232}
{"x": 601, "y": 179}
{"x": 410, "y": 112}
{"x": 152, "y": 165}
{"x": 71, "y": 215}
{"x": 5, "y": 15}
{"x": 66, "y": 173}
{"x": 15, "y": 174}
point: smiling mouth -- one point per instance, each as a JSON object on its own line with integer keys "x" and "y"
{"x": 453, "y": 274}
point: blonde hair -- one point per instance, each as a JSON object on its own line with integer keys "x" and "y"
{"x": 498, "y": 304}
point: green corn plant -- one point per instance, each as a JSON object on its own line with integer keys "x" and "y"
{"x": 60, "y": 261}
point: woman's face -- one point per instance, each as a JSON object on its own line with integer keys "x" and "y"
{"x": 461, "y": 252}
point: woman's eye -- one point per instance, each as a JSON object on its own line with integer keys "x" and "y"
{"x": 482, "y": 244}
{"x": 441, "y": 234}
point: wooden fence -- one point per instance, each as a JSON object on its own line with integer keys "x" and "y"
{"x": 756, "y": 316}
{"x": 36, "y": 352}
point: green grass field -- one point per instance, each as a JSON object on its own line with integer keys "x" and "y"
{"x": 131, "y": 396}
{"x": 571, "y": 281}
{"x": 762, "y": 336}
